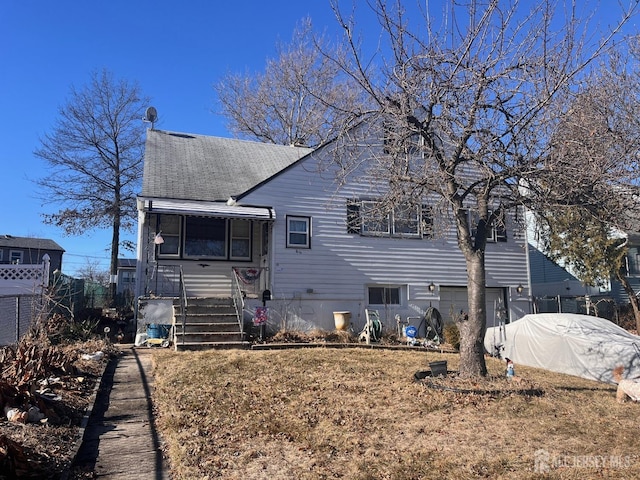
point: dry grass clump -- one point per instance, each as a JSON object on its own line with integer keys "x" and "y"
{"x": 314, "y": 336}
{"x": 330, "y": 337}
{"x": 451, "y": 335}
{"x": 359, "y": 414}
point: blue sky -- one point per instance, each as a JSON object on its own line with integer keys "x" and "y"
{"x": 174, "y": 50}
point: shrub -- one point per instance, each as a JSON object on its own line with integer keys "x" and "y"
{"x": 452, "y": 335}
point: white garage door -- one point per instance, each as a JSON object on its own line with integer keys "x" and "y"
{"x": 454, "y": 299}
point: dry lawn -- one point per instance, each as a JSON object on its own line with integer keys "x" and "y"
{"x": 318, "y": 413}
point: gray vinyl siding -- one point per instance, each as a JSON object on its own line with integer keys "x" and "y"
{"x": 545, "y": 270}
{"x": 308, "y": 284}
{"x": 339, "y": 266}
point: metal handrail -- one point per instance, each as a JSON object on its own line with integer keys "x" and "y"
{"x": 183, "y": 303}
{"x": 238, "y": 299}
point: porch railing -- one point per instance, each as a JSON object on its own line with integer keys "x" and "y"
{"x": 238, "y": 296}
{"x": 246, "y": 283}
{"x": 165, "y": 281}
{"x": 249, "y": 280}
{"x": 183, "y": 303}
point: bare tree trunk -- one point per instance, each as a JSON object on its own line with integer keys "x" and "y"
{"x": 633, "y": 299}
{"x": 472, "y": 326}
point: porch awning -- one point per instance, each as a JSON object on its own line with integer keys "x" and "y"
{"x": 209, "y": 209}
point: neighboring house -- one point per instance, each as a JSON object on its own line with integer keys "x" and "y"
{"x": 548, "y": 279}
{"x": 27, "y": 264}
{"x": 554, "y": 289}
{"x": 219, "y": 212}
{"x": 27, "y": 250}
{"x": 126, "y": 281}
{"x": 632, "y": 270}
{"x": 26, "y": 268}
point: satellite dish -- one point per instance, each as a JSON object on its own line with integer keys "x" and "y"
{"x": 150, "y": 115}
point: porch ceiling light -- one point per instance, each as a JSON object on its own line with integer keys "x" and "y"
{"x": 158, "y": 240}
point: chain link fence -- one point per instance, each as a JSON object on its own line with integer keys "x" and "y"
{"x": 598, "y": 305}
{"x": 17, "y": 313}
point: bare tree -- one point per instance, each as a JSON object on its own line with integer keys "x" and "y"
{"x": 300, "y": 99}
{"x": 93, "y": 272}
{"x": 599, "y": 135}
{"x": 95, "y": 154}
{"x": 466, "y": 100}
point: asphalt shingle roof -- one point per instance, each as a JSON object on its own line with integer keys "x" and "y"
{"x": 198, "y": 167}
{"x": 9, "y": 241}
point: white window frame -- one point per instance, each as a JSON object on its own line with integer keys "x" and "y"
{"x": 415, "y": 220}
{"x": 368, "y": 220}
{"x": 16, "y": 253}
{"x": 385, "y": 289}
{"x": 170, "y": 237}
{"x": 361, "y": 220}
{"x": 290, "y": 231}
{"x": 244, "y": 238}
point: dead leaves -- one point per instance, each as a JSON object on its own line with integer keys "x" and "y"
{"x": 15, "y": 462}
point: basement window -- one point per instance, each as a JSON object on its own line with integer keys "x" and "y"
{"x": 384, "y": 295}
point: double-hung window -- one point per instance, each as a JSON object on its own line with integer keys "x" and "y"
{"x": 298, "y": 232}
{"x": 369, "y": 218}
{"x": 374, "y": 220}
{"x": 168, "y": 227}
{"x": 240, "y": 240}
{"x": 16, "y": 256}
{"x": 498, "y": 231}
{"x": 406, "y": 221}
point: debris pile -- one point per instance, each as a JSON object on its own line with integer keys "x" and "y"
{"x": 45, "y": 388}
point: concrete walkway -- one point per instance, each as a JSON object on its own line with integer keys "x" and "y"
{"x": 120, "y": 440}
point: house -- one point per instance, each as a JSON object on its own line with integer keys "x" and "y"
{"x": 28, "y": 250}
{"x": 219, "y": 215}
{"x": 554, "y": 289}
{"x": 26, "y": 268}
{"x": 632, "y": 267}
{"x": 548, "y": 279}
{"x": 126, "y": 280}
{"x": 27, "y": 264}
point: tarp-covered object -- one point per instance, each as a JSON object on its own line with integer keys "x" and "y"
{"x": 581, "y": 345}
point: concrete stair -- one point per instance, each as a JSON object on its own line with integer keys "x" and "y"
{"x": 209, "y": 323}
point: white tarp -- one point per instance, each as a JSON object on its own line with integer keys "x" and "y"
{"x": 581, "y": 345}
